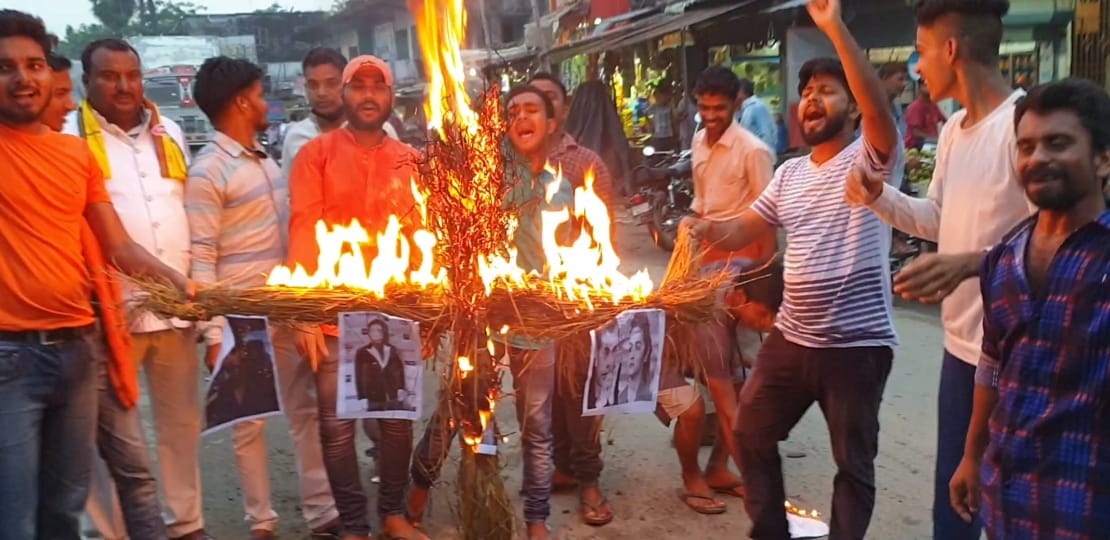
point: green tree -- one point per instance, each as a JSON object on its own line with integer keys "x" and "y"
{"x": 115, "y": 15}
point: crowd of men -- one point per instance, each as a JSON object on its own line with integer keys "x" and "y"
{"x": 1016, "y": 206}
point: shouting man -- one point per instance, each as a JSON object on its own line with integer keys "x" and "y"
{"x": 354, "y": 172}
{"x": 834, "y": 334}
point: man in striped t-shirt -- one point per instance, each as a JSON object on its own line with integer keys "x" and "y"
{"x": 834, "y": 334}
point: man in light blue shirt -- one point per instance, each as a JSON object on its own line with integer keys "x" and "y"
{"x": 755, "y": 116}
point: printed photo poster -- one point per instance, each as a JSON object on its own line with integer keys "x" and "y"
{"x": 244, "y": 383}
{"x": 625, "y": 362}
{"x": 380, "y": 367}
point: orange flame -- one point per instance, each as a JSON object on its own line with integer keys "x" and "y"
{"x": 441, "y": 27}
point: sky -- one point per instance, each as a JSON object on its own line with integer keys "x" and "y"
{"x": 58, "y": 13}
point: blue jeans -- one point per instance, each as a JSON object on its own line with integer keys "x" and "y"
{"x": 47, "y": 424}
{"x": 120, "y": 441}
{"x": 954, "y": 404}
{"x": 534, "y": 388}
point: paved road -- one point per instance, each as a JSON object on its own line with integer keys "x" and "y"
{"x": 642, "y": 475}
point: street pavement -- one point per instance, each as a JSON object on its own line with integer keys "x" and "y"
{"x": 641, "y": 475}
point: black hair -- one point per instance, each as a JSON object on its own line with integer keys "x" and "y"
{"x": 548, "y": 106}
{"x": 19, "y": 24}
{"x": 891, "y": 69}
{"x": 112, "y": 44}
{"x": 747, "y": 86}
{"x": 219, "y": 80}
{"x": 979, "y": 24}
{"x": 58, "y": 62}
{"x": 823, "y": 66}
{"x": 380, "y": 323}
{"x": 1084, "y": 98}
{"x": 319, "y": 56}
{"x": 717, "y": 80}
{"x": 545, "y": 76}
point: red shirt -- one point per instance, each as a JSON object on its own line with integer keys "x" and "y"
{"x": 922, "y": 115}
{"x": 336, "y": 179}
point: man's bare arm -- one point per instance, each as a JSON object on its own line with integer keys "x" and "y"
{"x": 730, "y": 235}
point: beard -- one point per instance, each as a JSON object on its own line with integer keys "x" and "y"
{"x": 1059, "y": 196}
{"x": 833, "y": 126}
{"x": 330, "y": 117}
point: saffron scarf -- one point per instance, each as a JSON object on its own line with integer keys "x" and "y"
{"x": 171, "y": 157}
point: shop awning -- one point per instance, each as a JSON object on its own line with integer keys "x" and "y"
{"x": 651, "y": 27}
{"x": 599, "y": 42}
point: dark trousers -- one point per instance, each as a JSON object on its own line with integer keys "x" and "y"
{"x": 47, "y": 437}
{"x": 954, "y": 404}
{"x": 577, "y": 437}
{"x": 337, "y": 438}
{"x": 847, "y": 384}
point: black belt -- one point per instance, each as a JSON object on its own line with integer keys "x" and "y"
{"x": 47, "y": 337}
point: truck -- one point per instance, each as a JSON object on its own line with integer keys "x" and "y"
{"x": 170, "y": 65}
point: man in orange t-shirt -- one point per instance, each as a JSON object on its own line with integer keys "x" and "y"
{"x": 52, "y": 184}
{"x": 355, "y": 172}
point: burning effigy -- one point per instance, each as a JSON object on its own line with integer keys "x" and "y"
{"x": 456, "y": 273}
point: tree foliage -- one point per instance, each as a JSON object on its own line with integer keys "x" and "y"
{"x": 123, "y": 18}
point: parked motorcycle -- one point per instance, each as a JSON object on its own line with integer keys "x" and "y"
{"x": 665, "y": 191}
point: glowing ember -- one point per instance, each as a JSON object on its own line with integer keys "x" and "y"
{"x": 812, "y": 514}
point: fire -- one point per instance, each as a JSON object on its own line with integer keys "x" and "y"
{"x": 812, "y": 514}
{"x": 590, "y": 265}
{"x": 441, "y": 28}
{"x": 341, "y": 262}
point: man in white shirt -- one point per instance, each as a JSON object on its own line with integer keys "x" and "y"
{"x": 975, "y": 197}
{"x": 834, "y": 335}
{"x": 144, "y": 158}
{"x": 323, "y": 72}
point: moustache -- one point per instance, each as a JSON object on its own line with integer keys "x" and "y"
{"x": 1042, "y": 173}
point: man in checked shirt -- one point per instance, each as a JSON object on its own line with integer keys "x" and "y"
{"x": 1039, "y": 438}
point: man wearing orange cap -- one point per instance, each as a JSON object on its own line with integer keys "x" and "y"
{"x": 355, "y": 172}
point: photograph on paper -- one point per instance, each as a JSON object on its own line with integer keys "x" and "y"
{"x": 625, "y": 362}
{"x": 380, "y": 367}
{"x": 244, "y": 382}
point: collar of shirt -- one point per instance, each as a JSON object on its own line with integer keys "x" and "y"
{"x": 727, "y": 140}
{"x": 233, "y": 148}
{"x": 118, "y": 132}
{"x": 566, "y": 144}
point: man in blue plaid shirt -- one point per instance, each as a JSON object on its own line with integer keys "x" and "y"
{"x": 1039, "y": 439}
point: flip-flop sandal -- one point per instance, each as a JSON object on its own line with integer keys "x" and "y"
{"x": 735, "y": 489}
{"x": 599, "y": 518}
{"x": 708, "y": 510}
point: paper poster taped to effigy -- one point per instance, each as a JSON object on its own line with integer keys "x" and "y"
{"x": 380, "y": 367}
{"x": 626, "y": 360}
{"x": 244, "y": 382}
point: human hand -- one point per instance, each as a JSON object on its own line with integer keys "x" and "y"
{"x": 211, "y": 355}
{"x": 931, "y": 277}
{"x": 825, "y": 13}
{"x": 963, "y": 489}
{"x": 310, "y": 344}
{"x": 697, "y": 228}
{"x": 863, "y": 185}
